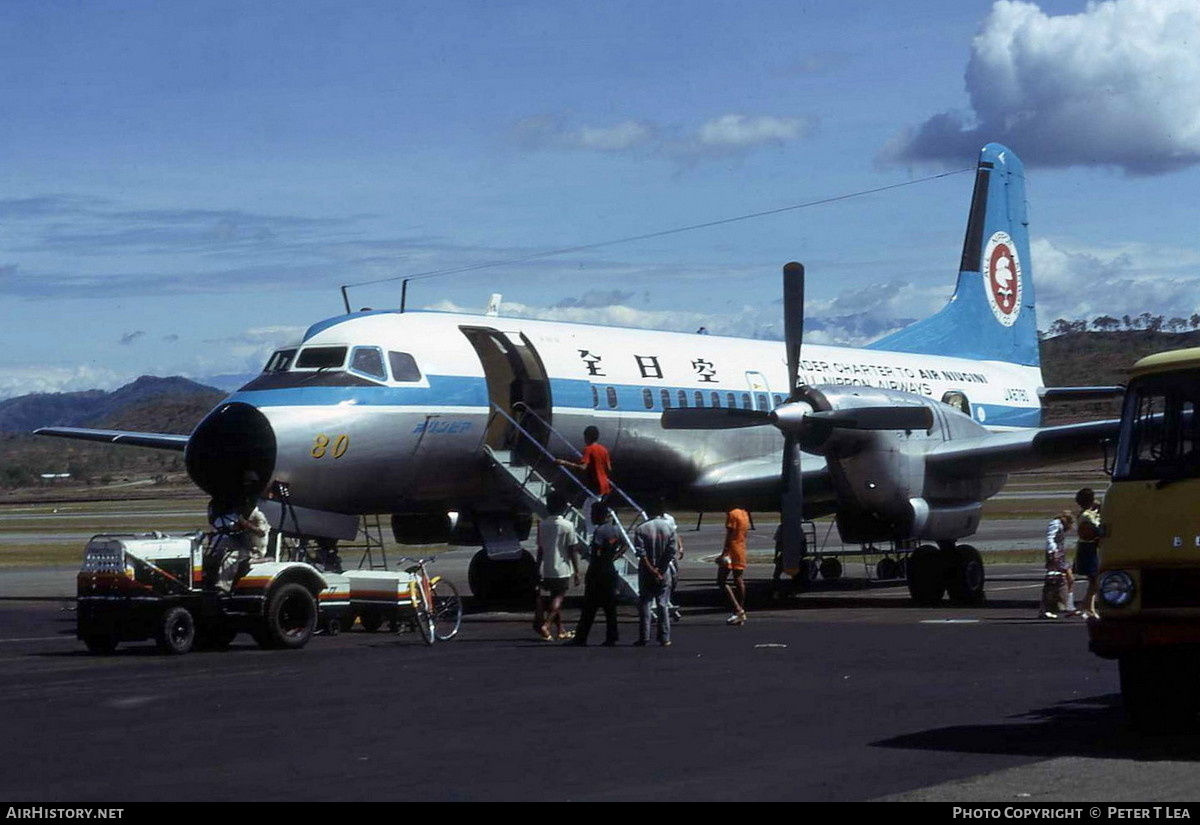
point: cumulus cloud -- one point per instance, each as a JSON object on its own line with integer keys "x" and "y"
{"x": 129, "y": 337}
{"x": 724, "y": 135}
{"x": 1087, "y": 282}
{"x": 730, "y": 131}
{"x": 31, "y": 378}
{"x": 1114, "y": 85}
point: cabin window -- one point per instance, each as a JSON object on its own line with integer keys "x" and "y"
{"x": 683, "y": 398}
{"x": 699, "y": 398}
{"x": 280, "y": 361}
{"x": 404, "y": 367}
{"x": 368, "y": 361}
{"x": 778, "y": 399}
{"x": 595, "y": 399}
{"x": 761, "y": 398}
{"x": 611, "y": 393}
{"x": 716, "y": 399}
{"x": 321, "y": 358}
{"x": 746, "y": 405}
{"x": 730, "y": 400}
{"x": 666, "y": 399}
{"x": 648, "y": 399}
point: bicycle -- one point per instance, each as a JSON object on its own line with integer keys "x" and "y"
{"x": 436, "y": 605}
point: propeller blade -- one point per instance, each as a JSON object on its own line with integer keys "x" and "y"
{"x": 875, "y": 418}
{"x": 712, "y": 418}
{"x": 793, "y": 319}
{"x": 791, "y": 527}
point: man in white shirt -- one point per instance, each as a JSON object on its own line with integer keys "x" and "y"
{"x": 558, "y": 564}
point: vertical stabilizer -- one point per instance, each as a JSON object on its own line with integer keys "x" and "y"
{"x": 991, "y": 315}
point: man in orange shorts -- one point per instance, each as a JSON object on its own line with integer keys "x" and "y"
{"x": 733, "y": 560}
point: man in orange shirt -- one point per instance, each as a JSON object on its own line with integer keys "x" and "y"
{"x": 596, "y": 463}
{"x": 733, "y": 559}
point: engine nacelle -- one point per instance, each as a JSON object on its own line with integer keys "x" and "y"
{"x": 884, "y": 489}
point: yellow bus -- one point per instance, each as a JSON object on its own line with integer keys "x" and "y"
{"x": 1149, "y": 598}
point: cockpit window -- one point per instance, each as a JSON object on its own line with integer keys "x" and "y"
{"x": 404, "y": 367}
{"x": 321, "y": 358}
{"x": 368, "y": 361}
{"x": 280, "y": 360}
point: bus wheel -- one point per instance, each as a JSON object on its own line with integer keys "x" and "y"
{"x": 101, "y": 644}
{"x": 1158, "y": 689}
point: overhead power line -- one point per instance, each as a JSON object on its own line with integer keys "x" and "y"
{"x": 435, "y": 273}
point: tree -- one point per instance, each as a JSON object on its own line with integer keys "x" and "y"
{"x": 1106, "y": 323}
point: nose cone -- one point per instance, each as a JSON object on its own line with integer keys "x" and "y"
{"x": 231, "y": 455}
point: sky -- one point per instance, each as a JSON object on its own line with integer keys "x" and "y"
{"x": 184, "y": 186}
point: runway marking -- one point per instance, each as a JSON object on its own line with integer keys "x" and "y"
{"x": 949, "y": 621}
{"x": 770, "y": 644}
{"x": 1015, "y": 587}
{"x": 34, "y": 639}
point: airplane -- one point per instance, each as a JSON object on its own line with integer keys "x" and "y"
{"x": 423, "y": 416}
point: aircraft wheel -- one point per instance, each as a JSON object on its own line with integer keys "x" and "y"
{"x": 887, "y": 568}
{"x": 1159, "y": 690}
{"x": 965, "y": 576}
{"x": 176, "y": 631}
{"x": 926, "y": 575}
{"x": 831, "y": 569}
{"x": 492, "y": 580}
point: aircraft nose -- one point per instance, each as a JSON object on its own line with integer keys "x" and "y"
{"x": 231, "y": 454}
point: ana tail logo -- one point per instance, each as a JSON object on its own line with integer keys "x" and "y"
{"x": 1002, "y": 278}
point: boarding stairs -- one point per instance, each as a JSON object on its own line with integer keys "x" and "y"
{"x": 531, "y": 470}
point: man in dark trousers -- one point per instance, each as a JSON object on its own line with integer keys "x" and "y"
{"x": 600, "y": 583}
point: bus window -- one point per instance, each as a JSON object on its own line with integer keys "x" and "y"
{"x": 1160, "y": 433}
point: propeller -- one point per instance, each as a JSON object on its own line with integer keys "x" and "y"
{"x": 801, "y": 425}
{"x": 792, "y": 543}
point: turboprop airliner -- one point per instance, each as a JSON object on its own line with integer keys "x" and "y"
{"x": 419, "y": 415}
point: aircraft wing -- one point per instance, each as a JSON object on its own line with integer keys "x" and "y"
{"x": 1021, "y": 449}
{"x": 158, "y": 441}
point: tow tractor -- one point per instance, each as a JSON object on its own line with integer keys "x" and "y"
{"x": 151, "y": 586}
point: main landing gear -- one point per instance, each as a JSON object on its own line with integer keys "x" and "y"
{"x": 947, "y": 568}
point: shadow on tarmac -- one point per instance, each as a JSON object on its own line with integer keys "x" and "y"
{"x": 1092, "y": 727}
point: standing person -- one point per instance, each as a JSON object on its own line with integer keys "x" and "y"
{"x": 733, "y": 562}
{"x": 654, "y": 544}
{"x": 558, "y": 562}
{"x": 600, "y": 583}
{"x": 1087, "y": 550}
{"x": 1058, "y": 572}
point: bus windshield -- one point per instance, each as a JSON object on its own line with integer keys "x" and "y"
{"x": 1160, "y": 432}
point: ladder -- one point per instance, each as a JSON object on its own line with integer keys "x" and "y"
{"x": 530, "y": 470}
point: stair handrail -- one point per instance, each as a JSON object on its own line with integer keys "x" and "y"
{"x": 545, "y": 453}
{"x": 523, "y": 406}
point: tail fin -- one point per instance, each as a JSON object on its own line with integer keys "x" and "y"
{"x": 991, "y": 315}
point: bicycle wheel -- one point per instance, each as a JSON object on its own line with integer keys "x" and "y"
{"x": 420, "y": 590}
{"x": 447, "y": 610}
